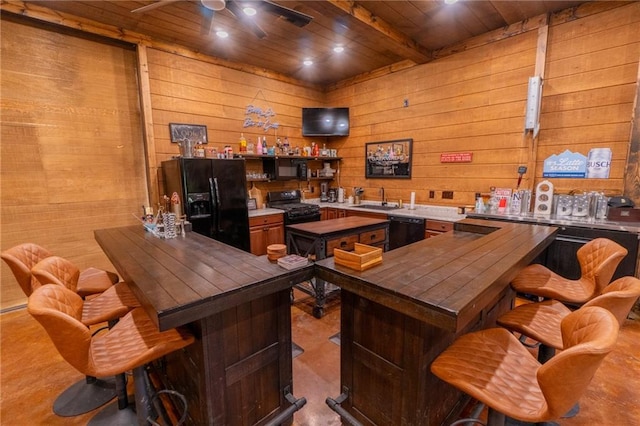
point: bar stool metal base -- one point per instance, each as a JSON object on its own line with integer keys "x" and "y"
{"x": 112, "y": 415}
{"x": 84, "y": 396}
{"x": 513, "y": 422}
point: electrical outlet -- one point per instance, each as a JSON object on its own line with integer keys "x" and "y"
{"x": 405, "y": 103}
{"x": 447, "y": 195}
{"x": 432, "y": 194}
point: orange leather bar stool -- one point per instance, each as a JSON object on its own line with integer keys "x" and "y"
{"x": 598, "y": 261}
{"x": 108, "y": 306}
{"x": 494, "y": 368}
{"x": 541, "y": 321}
{"x": 23, "y": 257}
{"x": 130, "y": 344}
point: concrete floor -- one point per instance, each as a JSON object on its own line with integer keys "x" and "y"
{"x": 32, "y": 373}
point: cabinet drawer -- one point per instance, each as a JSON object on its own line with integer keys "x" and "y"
{"x": 373, "y": 237}
{"x": 266, "y": 220}
{"x": 438, "y": 225}
{"x": 343, "y": 243}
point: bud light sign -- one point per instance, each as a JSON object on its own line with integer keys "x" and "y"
{"x": 575, "y": 165}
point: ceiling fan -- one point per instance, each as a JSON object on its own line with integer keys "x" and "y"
{"x": 236, "y": 8}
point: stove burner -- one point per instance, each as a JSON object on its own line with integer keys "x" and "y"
{"x": 294, "y": 210}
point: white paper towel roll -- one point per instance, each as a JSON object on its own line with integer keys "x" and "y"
{"x": 412, "y": 203}
{"x": 341, "y": 195}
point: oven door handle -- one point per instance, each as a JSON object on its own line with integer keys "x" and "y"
{"x": 572, "y": 239}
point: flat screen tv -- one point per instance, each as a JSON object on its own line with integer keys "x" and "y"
{"x": 325, "y": 121}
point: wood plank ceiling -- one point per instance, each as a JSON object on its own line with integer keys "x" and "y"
{"x": 374, "y": 34}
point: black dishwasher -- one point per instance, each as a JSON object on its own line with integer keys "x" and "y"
{"x": 405, "y": 230}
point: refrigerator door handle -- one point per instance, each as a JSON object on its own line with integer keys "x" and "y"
{"x": 215, "y": 200}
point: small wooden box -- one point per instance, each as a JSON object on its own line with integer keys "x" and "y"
{"x": 623, "y": 214}
{"x": 361, "y": 258}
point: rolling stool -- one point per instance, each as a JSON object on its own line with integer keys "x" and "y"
{"x": 130, "y": 344}
{"x": 91, "y": 393}
{"x": 494, "y": 368}
{"x": 23, "y": 257}
{"x": 598, "y": 261}
{"x": 541, "y": 321}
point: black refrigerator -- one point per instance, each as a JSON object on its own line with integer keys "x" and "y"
{"x": 214, "y": 197}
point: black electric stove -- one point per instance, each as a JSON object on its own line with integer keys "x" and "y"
{"x": 294, "y": 210}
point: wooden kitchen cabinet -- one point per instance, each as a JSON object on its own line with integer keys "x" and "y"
{"x": 327, "y": 213}
{"x": 433, "y": 228}
{"x": 361, "y": 213}
{"x": 265, "y": 230}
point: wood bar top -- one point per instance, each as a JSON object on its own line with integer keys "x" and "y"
{"x": 335, "y": 226}
{"x": 185, "y": 279}
{"x": 446, "y": 280}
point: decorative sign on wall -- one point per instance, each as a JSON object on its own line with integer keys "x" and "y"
{"x": 196, "y": 133}
{"x": 258, "y": 117}
{"x": 576, "y": 165}
{"x": 456, "y": 157}
{"x": 388, "y": 159}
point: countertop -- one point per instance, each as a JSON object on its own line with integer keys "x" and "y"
{"x": 633, "y": 227}
{"x": 447, "y": 280}
{"x": 449, "y": 214}
{"x": 336, "y": 226}
{"x": 185, "y": 279}
{"x": 264, "y": 212}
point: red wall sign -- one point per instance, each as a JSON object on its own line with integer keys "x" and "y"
{"x": 456, "y": 157}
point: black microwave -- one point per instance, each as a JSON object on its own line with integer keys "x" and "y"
{"x": 285, "y": 168}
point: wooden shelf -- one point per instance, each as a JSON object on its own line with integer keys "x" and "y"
{"x": 302, "y": 157}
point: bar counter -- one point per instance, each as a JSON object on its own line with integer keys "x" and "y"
{"x": 238, "y": 305}
{"x": 397, "y": 317}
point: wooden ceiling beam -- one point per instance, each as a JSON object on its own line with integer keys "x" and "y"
{"x": 408, "y": 47}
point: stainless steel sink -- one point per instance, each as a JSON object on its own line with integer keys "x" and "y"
{"x": 377, "y": 207}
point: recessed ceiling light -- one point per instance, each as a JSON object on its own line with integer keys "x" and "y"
{"x": 308, "y": 62}
{"x": 450, "y": 1}
{"x": 338, "y": 49}
{"x": 222, "y": 34}
{"x": 249, "y": 11}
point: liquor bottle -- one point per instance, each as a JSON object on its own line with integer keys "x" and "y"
{"x": 259, "y": 146}
{"x": 243, "y": 143}
{"x": 285, "y": 145}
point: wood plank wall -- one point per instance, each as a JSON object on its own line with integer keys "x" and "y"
{"x": 589, "y": 92}
{"x": 187, "y": 90}
{"x": 475, "y": 100}
{"x": 72, "y": 152}
{"x": 468, "y": 102}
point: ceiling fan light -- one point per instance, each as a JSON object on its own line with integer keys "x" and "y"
{"x": 214, "y": 4}
{"x": 222, "y": 34}
{"x": 338, "y": 49}
{"x": 308, "y": 62}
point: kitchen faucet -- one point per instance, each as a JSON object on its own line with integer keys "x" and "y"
{"x": 384, "y": 200}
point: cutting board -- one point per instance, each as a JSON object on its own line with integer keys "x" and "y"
{"x": 257, "y": 194}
